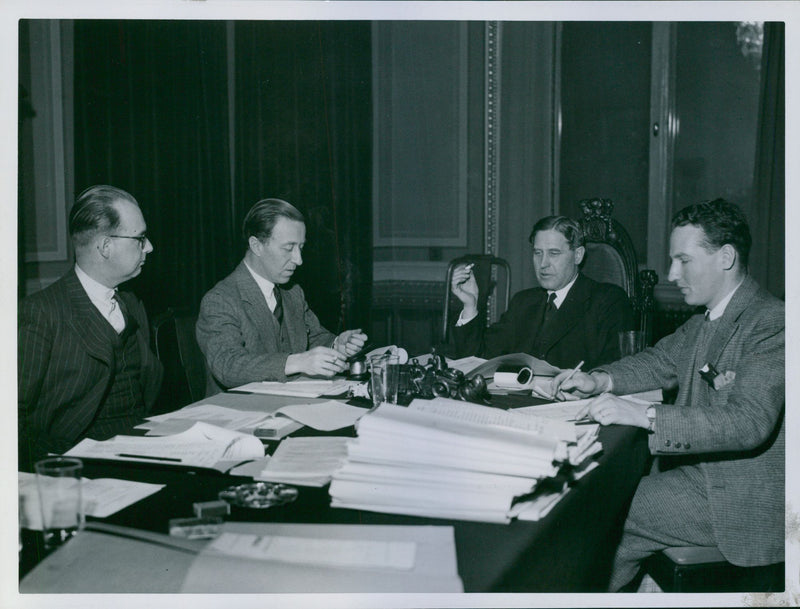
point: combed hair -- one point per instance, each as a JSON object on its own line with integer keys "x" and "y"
{"x": 568, "y": 227}
{"x": 722, "y": 222}
{"x": 261, "y": 218}
{"x": 94, "y": 213}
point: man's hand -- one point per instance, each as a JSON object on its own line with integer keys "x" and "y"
{"x": 608, "y": 409}
{"x": 579, "y": 385}
{"x": 465, "y": 288}
{"x": 319, "y": 361}
{"x": 350, "y": 342}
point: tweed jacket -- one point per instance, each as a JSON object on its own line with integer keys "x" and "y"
{"x": 735, "y": 432}
{"x": 65, "y": 364}
{"x": 585, "y": 326}
{"x": 240, "y": 337}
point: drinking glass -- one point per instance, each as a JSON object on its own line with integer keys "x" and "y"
{"x": 58, "y": 480}
{"x": 630, "y": 342}
{"x": 384, "y": 378}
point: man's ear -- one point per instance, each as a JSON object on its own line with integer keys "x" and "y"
{"x": 580, "y": 252}
{"x": 255, "y": 245}
{"x": 728, "y": 256}
{"x": 103, "y": 246}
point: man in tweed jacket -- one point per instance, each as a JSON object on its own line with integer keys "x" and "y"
{"x": 256, "y": 326}
{"x": 725, "y": 433}
{"x": 85, "y": 367}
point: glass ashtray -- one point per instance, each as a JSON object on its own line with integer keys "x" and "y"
{"x": 259, "y": 495}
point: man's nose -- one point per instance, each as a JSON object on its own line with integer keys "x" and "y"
{"x": 148, "y": 246}
{"x": 297, "y": 257}
{"x": 674, "y": 272}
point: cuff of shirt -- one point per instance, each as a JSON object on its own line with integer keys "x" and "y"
{"x": 462, "y": 321}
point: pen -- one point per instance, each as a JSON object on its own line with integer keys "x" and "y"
{"x": 572, "y": 372}
{"x": 130, "y": 456}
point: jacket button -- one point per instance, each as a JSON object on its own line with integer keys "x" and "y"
{"x": 667, "y": 442}
{"x": 677, "y": 444}
{"x": 687, "y": 446}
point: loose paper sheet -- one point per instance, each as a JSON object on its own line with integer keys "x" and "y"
{"x": 101, "y": 497}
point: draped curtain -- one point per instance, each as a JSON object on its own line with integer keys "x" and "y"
{"x": 769, "y": 215}
{"x": 152, "y": 117}
{"x": 303, "y": 134}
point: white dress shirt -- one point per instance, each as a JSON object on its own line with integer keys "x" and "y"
{"x": 266, "y": 286}
{"x": 103, "y": 298}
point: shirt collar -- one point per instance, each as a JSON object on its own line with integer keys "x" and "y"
{"x": 99, "y": 294}
{"x": 265, "y": 285}
{"x": 562, "y": 293}
{"x": 718, "y": 310}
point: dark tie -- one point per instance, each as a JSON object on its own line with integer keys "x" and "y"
{"x": 131, "y": 325}
{"x": 278, "y": 310}
{"x": 549, "y": 309}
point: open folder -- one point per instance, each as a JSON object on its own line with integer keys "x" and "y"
{"x": 253, "y": 558}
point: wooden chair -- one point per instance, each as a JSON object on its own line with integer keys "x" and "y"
{"x": 176, "y": 347}
{"x": 486, "y": 271}
{"x": 704, "y": 569}
{"x": 610, "y": 258}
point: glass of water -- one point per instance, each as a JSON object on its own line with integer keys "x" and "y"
{"x": 58, "y": 480}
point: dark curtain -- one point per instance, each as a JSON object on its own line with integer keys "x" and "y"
{"x": 303, "y": 134}
{"x": 768, "y": 260}
{"x": 151, "y": 117}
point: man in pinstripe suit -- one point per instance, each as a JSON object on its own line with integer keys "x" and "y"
{"x": 85, "y": 368}
{"x": 721, "y": 444}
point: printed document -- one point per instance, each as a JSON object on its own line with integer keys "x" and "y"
{"x": 101, "y": 497}
{"x": 202, "y": 445}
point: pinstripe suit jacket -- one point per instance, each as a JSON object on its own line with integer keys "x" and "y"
{"x": 735, "y": 433}
{"x": 240, "y": 337}
{"x": 65, "y": 364}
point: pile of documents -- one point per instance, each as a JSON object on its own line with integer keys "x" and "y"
{"x": 202, "y": 445}
{"x": 451, "y": 459}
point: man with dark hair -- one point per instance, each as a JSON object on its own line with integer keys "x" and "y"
{"x": 568, "y": 318}
{"x": 256, "y": 326}
{"x": 85, "y": 365}
{"x": 721, "y": 444}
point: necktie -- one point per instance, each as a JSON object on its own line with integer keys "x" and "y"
{"x": 708, "y": 315}
{"x": 115, "y": 315}
{"x": 278, "y": 310}
{"x": 130, "y": 324}
{"x": 549, "y": 309}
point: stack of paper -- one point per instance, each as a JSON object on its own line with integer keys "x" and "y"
{"x": 301, "y": 387}
{"x": 202, "y": 445}
{"x": 451, "y": 459}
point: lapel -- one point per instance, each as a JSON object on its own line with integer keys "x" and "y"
{"x": 729, "y": 322}
{"x": 571, "y": 311}
{"x": 87, "y": 323}
{"x": 256, "y": 306}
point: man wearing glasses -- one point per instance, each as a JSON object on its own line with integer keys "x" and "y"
{"x": 85, "y": 368}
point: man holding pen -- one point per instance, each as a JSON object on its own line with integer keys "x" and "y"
{"x": 721, "y": 444}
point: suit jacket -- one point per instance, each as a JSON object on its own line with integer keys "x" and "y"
{"x": 735, "y": 432}
{"x": 65, "y": 364}
{"x": 585, "y": 326}
{"x": 240, "y": 337}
